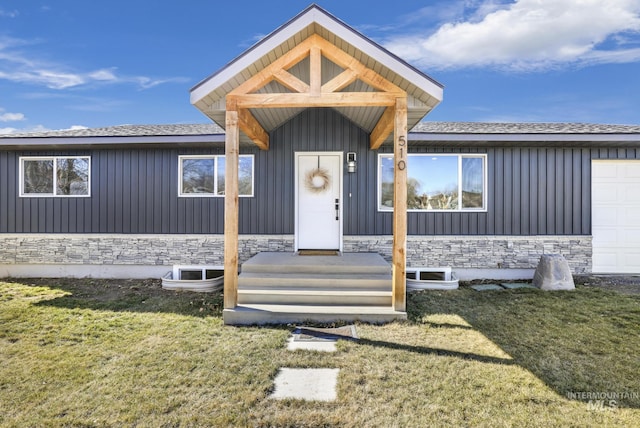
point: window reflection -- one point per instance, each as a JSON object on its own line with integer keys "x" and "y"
{"x": 436, "y": 182}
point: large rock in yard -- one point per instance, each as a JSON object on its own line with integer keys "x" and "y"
{"x": 553, "y": 273}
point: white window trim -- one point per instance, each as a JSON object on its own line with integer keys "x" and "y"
{"x": 181, "y": 194}
{"x": 460, "y": 156}
{"x": 22, "y": 194}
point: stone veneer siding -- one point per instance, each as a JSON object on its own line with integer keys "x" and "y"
{"x": 462, "y": 252}
{"x": 147, "y": 250}
{"x": 481, "y": 252}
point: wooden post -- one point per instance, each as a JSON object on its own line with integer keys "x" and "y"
{"x": 315, "y": 71}
{"x": 399, "y": 256}
{"x": 231, "y": 151}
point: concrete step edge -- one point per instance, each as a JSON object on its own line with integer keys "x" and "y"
{"x": 301, "y": 283}
{"x": 315, "y": 309}
{"x": 311, "y": 269}
{"x": 314, "y": 292}
{"x": 318, "y": 275}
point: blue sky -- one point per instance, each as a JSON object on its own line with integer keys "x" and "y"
{"x": 70, "y": 63}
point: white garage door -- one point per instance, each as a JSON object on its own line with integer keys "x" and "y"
{"x": 616, "y": 216}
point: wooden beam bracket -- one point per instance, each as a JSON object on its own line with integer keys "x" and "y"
{"x": 383, "y": 128}
{"x": 250, "y": 126}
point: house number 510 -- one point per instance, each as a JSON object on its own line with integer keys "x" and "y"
{"x": 402, "y": 164}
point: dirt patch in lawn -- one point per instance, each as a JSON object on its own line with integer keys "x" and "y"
{"x": 624, "y": 284}
{"x": 131, "y": 295}
{"x": 104, "y": 290}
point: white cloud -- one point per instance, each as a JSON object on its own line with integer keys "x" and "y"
{"x": 38, "y": 128}
{"x": 50, "y": 78}
{"x": 10, "y": 117}
{"x": 147, "y": 82}
{"x": 8, "y": 13}
{"x": 608, "y": 57}
{"x": 529, "y": 34}
{"x": 20, "y": 67}
{"x": 105, "y": 75}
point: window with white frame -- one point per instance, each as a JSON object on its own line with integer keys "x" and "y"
{"x": 203, "y": 175}
{"x": 437, "y": 182}
{"x": 61, "y": 176}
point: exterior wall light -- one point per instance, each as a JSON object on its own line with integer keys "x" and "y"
{"x": 351, "y": 162}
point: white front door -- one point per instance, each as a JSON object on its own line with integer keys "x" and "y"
{"x": 319, "y": 201}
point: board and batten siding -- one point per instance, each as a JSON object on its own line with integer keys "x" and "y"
{"x": 132, "y": 191}
{"x": 531, "y": 191}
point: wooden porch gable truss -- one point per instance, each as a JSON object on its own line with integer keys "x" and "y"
{"x": 314, "y": 93}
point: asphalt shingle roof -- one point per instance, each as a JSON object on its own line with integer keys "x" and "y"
{"x": 127, "y": 131}
{"x": 422, "y": 127}
{"x": 522, "y": 128}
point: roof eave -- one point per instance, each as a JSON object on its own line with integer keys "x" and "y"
{"x": 38, "y": 143}
{"x": 439, "y": 139}
{"x": 551, "y": 137}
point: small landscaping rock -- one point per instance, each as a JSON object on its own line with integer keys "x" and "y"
{"x": 553, "y": 273}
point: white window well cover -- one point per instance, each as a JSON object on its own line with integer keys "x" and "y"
{"x": 197, "y": 278}
{"x": 180, "y": 270}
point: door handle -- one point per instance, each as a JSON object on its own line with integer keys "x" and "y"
{"x": 337, "y": 209}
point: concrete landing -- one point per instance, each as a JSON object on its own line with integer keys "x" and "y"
{"x": 265, "y": 262}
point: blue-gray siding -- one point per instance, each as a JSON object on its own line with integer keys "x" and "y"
{"x": 531, "y": 191}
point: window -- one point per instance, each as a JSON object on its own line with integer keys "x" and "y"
{"x": 436, "y": 182}
{"x": 203, "y": 175}
{"x": 67, "y": 176}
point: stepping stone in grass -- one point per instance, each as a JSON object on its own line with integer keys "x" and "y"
{"x": 320, "y": 339}
{"x": 325, "y": 345}
{"x": 487, "y": 287}
{"x": 516, "y": 285}
{"x": 306, "y": 384}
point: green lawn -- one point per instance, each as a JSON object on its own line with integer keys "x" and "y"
{"x": 127, "y": 353}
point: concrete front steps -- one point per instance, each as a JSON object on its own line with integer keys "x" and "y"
{"x": 282, "y": 288}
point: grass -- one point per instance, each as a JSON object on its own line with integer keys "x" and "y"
{"x": 127, "y": 353}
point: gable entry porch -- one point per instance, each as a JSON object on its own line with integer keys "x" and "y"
{"x": 315, "y": 61}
